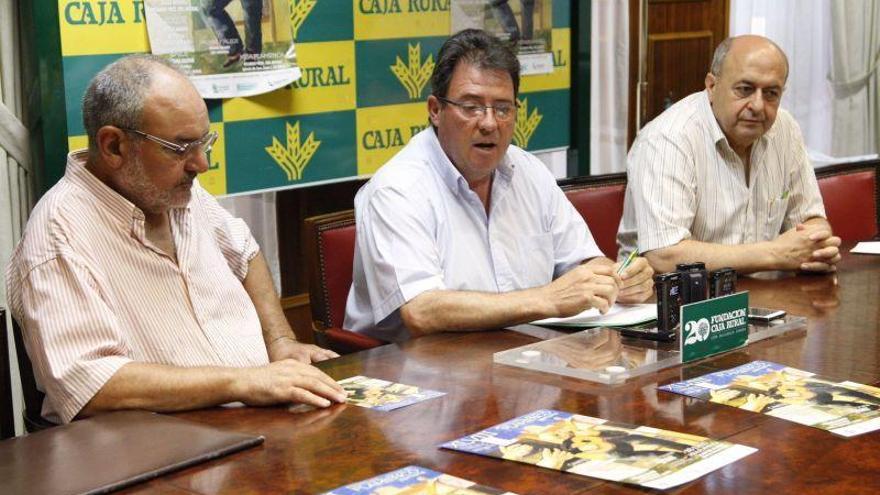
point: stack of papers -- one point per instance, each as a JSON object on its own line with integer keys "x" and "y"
{"x": 866, "y": 248}
{"x": 620, "y": 315}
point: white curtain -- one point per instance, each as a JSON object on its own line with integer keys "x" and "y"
{"x": 609, "y": 75}
{"x": 802, "y": 28}
{"x": 854, "y": 74}
{"x": 16, "y": 179}
{"x": 258, "y": 211}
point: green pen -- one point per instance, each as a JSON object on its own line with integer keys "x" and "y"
{"x": 629, "y": 259}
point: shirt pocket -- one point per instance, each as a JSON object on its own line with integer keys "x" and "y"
{"x": 775, "y": 217}
{"x": 536, "y": 263}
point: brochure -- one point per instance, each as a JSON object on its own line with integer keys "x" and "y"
{"x": 594, "y": 447}
{"x": 373, "y": 393}
{"x": 415, "y": 480}
{"x": 845, "y": 408}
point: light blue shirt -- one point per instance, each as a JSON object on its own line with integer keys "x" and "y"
{"x": 420, "y": 228}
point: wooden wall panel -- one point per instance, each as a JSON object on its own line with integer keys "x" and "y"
{"x": 681, "y": 37}
{"x": 678, "y": 63}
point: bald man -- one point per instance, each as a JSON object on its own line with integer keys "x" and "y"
{"x": 136, "y": 290}
{"x": 723, "y": 177}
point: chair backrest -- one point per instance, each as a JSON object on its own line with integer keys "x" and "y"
{"x": 328, "y": 243}
{"x": 851, "y": 193}
{"x": 33, "y": 397}
{"x": 329, "y": 250}
{"x": 599, "y": 199}
{"x": 7, "y": 413}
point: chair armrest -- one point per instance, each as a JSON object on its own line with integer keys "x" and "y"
{"x": 346, "y": 341}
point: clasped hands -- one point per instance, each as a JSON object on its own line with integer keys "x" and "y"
{"x": 809, "y": 248}
{"x": 598, "y": 285}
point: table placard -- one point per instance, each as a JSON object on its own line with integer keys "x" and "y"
{"x": 714, "y": 326}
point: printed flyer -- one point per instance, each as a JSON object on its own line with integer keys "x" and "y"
{"x": 845, "y": 408}
{"x": 526, "y": 24}
{"x": 382, "y": 395}
{"x": 227, "y": 48}
{"x": 415, "y": 480}
{"x": 594, "y": 447}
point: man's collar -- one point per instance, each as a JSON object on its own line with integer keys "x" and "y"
{"x": 450, "y": 175}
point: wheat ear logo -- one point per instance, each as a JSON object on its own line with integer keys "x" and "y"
{"x": 294, "y": 157}
{"x": 525, "y": 123}
{"x": 299, "y": 10}
{"x": 414, "y": 75}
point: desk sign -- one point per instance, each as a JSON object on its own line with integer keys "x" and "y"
{"x": 714, "y": 326}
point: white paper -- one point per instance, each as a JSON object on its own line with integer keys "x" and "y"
{"x": 866, "y": 248}
{"x": 618, "y": 316}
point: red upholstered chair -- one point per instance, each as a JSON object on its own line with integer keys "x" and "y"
{"x": 599, "y": 199}
{"x": 851, "y": 192}
{"x": 328, "y": 241}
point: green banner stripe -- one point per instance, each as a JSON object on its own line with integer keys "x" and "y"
{"x": 324, "y": 149}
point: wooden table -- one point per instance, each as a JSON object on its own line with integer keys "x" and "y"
{"x": 316, "y": 451}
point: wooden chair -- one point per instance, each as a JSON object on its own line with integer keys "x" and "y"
{"x": 599, "y": 199}
{"x": 328, "y": 242}
{"x": 851, "y": 193}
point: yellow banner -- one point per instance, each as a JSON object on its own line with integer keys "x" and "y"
{"x": 101, "y": 27}
{"x": 387, "y": 19}
{"x": 327, "y": 85}
{"x": 560, "y": 78}
{"x": 383, "y": 131}
{"x": 77, "y": 142}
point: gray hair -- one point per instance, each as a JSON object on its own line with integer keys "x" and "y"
{"x": 116, "y": 95}
{"x": 724, "y": 47}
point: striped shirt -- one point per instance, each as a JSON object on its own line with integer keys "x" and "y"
{"x": 686, "y": 182}
{"x": 92, "y": 293}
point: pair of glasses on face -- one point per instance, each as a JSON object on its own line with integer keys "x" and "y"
{"x": 770, "y": 95}
{"x": 189, "y": 148}
{"x": 504, "y": 112}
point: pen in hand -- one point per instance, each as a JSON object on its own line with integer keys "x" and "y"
{"x": 626, "y": 262}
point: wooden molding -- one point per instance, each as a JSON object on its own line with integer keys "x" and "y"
{"x": 295, "y": 301}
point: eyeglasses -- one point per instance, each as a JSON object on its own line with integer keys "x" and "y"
{"x": 503, "y": 111}
{"x": 200, "y": 145}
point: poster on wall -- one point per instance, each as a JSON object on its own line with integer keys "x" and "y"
{"x": 228, "y": 48}
{"x": 527, "y": 24}
{"x": 365, "y": 77}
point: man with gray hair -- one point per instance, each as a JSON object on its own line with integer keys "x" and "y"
{"x": 135, "y": 289}
{"x": 723, "y": 176}
{"x": 461, "y": 231}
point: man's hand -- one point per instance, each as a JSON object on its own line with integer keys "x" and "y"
{"x": 288, "y": 348}
{"x": 807, "y": 248}
{"x": 827, "y": 252}
{"x": 637, "y": 281}
{"x": 583, "y": 287}
{"x": 287, "y": 381}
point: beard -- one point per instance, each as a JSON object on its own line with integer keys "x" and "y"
{"x": 144, "y": 193}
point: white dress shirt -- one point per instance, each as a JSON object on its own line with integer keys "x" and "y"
{"x": 686, "y": 182}
{"x": 420, "y": 227}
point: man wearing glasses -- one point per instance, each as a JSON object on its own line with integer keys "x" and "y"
{"x": 135, "y": 289}
{"x": 723, "y": 176}
{"x": 461, "y": 231}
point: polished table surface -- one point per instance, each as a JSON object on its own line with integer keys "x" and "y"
{"x": 312, "y": 452}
